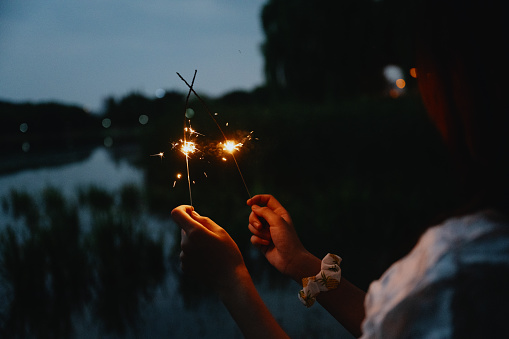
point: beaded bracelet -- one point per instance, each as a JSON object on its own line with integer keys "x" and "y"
{"x": 327, "y": 279}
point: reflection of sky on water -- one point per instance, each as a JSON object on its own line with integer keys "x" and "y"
{"x": 167, "y": 316}
{"x": 98, "y": 169}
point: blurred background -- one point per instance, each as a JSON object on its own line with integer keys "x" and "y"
{"x": 91, "y": 111}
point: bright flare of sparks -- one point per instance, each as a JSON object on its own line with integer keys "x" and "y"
{"x": 188, "y": 147}
{"x": 231, "y": 146}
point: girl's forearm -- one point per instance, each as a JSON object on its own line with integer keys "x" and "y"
{"x": 248, "y": 309}
{"x": 345, "y": 303}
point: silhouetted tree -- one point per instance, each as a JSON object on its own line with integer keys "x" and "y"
{"x": 317, "y": 50}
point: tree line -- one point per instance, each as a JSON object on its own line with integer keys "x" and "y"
{"x": 313, "y": 51}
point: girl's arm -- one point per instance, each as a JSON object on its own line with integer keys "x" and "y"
{"x": 275, "y": 236}
{"x": 210, "y": 254}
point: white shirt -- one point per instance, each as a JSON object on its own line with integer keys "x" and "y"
{"x": 453, "y": 283}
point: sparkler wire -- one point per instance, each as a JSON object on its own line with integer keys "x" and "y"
{"x": 185, "y": 141}
{"x": 191, "y": 89}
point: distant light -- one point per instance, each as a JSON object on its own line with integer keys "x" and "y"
{"x": 392, "y": 73}
{"x": 143, "y": 119}
{"x": 25, "y": 146}
{"x": 23, "y": 127}
{"x": 413, "y": 72}
{"x": 160, "y": 93}
{"x": 106, "y": 123}
{"x": 108, "y": 142}
{"x": 400, "y": 83}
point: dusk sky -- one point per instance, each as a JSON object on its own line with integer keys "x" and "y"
{"x": 79, "y": 52}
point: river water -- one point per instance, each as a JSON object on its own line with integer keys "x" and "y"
{"x": 167, "y": 312}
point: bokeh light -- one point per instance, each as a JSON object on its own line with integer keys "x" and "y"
{"x": 143, "y": 119}
{"x": 160, "y": 93}
{"x": 106, "y": 123}
{"x": 413, "y": 72}
{"x": 189, "y": 113}
{"x": 25, "y": 146}
{"x": 108, "y": 142}
{"x": 23, "y": 127}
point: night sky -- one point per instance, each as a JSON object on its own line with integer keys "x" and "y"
{"x": 80, "y": 52}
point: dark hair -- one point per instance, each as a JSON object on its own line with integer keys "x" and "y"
{"x": 463, "y": 73}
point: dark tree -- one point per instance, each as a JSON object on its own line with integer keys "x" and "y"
{"x": 326, "y": 49}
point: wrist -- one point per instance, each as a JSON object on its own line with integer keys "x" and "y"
{"x": 239, "y": 278}
{"x": 304, "y": 265}
{"x": 327, "y": 279}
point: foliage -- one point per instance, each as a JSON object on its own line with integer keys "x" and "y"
{"x": 324, "y": 50}
{"x": 48, "y": 125}
{"x": 52, "y": 267}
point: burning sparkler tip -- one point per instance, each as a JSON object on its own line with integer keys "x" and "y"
{"x": 231, "y": 146}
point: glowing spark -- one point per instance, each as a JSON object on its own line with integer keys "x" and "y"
{"x": 160, "y": 154}
{"x": 191, "y": 90}
{"x": 231, "y": 146}
{"x": 178, "y": 178}
{"x": 188, "y": 147}
{"x": 224, "y": 159}
{"x": 205, "y": 174}
{"x": 191, "y": 131}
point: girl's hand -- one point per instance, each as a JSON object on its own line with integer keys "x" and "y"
{"x": 207, "y": 250}
{"x": 275, "y": 236}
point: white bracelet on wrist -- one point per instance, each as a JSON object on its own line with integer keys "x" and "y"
{"x": 327, "y": 279}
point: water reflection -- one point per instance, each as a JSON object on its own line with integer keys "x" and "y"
{"x": 82, "y": 256}
{"x": 67, "y": 171}
{"x": 45, "y": 272}
{"x": 52, "y": 269}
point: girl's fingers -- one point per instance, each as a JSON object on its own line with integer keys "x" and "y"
{"x": 205, "y": 221}
{"x": 267, "y": 214}
{"x": 257, "y": 241}
{"x": 182, "y": 216}
{"x": 258, "y": 222}
{"x": 263, "y": 233}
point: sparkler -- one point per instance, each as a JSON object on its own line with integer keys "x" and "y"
{"x": 229, "y": 145}
{"x": 188, "y": 147}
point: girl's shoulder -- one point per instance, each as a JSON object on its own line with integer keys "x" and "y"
{"x": 453, "y": 263}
